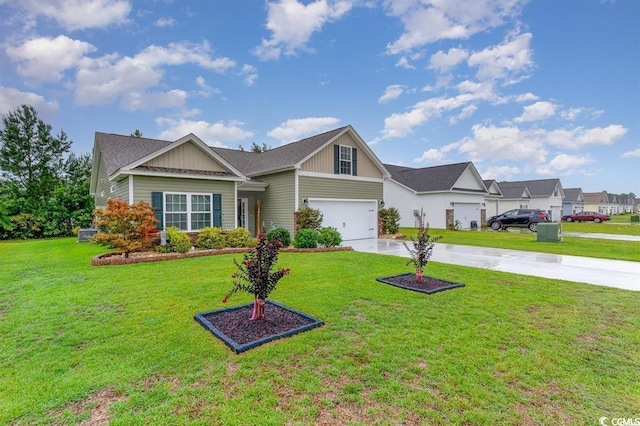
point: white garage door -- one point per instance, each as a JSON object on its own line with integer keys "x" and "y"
{"x": 354, "y": 219}
{"x": 465, "y": 213}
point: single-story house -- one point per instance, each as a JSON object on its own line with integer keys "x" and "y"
{"x": 543, "y": 194}
{"x": 445, "y": 194}
{"x": 493, "y": 197}
{"x": 192, "y": 185}
{"x": 573, "y": 201}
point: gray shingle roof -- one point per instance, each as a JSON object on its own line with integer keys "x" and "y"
{"x": 571, "y": 194}
{"x": 427, "y": 179}
{"x": 251, "y": 163}
{"x": 537, "y": 188}
{"x": 119, "y": 150}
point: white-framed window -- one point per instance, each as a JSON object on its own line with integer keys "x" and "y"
{"x": 188, "y": 212}
{"x": 345, "y": 160}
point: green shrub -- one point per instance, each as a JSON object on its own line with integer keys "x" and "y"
{"x": 308, "y": 218}
{"x": 177, "y": 241}
{"x": 25, "y": 226}
{"x": 329, "y": 237}
{"x": 279, "y": 234}
{"x": 306, "y": 238}
{"x": 390, "y": 219}
{"x": 239, "y": 237}
{"x": 211, "y": 238}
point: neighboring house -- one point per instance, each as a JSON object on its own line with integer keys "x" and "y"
{"x": 192, "y": 185}
{"x": 546, "y": 194}
{"x": 493, "y": 197}
{"x": 598, "y": 202}
{"x": 636, "y": 205}
{"x": 513, "y": 197}
{"x": 625, "y": 203}
{"x": 445, "y": 194}
{"x": 573, "y": 201}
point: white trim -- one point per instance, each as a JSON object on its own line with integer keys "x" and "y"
{"x": 235, "y": 210}
{"x": 175, "y": 175}
{"x": 364, "y": 200}
{"x": 130, "y": 189}
{"x": 335, "y": 176}
{"x": 189, "y": 212}
{"x": 296, "y": 190}
{"x": 244, "y": 202}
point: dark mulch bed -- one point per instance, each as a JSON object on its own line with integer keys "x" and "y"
{"x": 236, "y": 330}
{"x": 427, "y": 285}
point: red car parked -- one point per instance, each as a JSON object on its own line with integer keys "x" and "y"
{"x": 586, "y": 216}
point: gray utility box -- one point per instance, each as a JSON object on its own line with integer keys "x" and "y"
{"x": 635, "y": 218}
{"x": 550, "y": 232}
{"x": 85, "y": 235}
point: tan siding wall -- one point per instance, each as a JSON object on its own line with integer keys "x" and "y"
{"x": 145, "y": 185}
{"x": 322, "y": 162}
{"x": 120, "y": 190}
{"x": 102, "y": 187}
{"x": 313, "y": 187}
{"x": 186, "y": 156}
{"x": 277, "y": 201}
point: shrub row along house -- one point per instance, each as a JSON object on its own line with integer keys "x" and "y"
{"x": 192, "y": 185}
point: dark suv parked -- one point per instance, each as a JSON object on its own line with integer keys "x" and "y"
{"x": 521, "y": 218}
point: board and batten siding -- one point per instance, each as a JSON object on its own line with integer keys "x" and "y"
{"x": 277, "y": 202}
{"x": 187, "y": 156}
{"x": 323, "y": 161}
{"x": 331, "y": 188}
{"x": 145, "y": 185}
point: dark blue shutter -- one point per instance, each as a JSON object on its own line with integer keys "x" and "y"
{"x": 217, "y": 210}
{"x": 354, "y": 162}
{"x": 336, "y": 159}
{"x": 156, "y": 202}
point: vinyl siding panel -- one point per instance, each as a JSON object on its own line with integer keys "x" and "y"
{"x": 186, "y": 156}
{"x": 278, "y": 201}
{"x": 102, "y": 186}
{"x": 145, "y": 185}
{"x": 322, "y": 162}
{"x": 314, "y": 187}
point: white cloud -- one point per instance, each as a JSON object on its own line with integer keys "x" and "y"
{"x": 205, "y": 90}
{"x": 11, "y": 98}
{"x": 148, "y": 101}
{"x": 503, "y": 143}
{"x": 78, "y": 14}
{"x": 509, "y": 61}
{"x": 500, "y": 173}
{"x": 429, "y": 21}
{"x": 45, "y": 58}
{"x": 110, "y": 78}
{"x": 295, "y": 129}
{"x": 466, "y": 112}
{"x": 579, "y": 136}
{"x": 403, "y": 62}
{"x": 632, "y": 154}
{"x": 571, "y": 114}
{"x": 564, "y": 163}
{"x": 213, "y": 134}
{"x": 391, "y": 93}
{"x": 250, "y": 74}
{"x": 526, "y": 97}
{"x": 538, "y": 111}
{"x": 443, "y": 62}
{"x": 293, "y": 23}
{"x": 165, "y": 22}
{"x": 430, "y": 156}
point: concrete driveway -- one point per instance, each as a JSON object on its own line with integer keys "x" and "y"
{"x": 610, "y": 273}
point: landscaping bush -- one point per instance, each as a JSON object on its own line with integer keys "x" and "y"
{"x": 210, "y": 238}
{"x": 279, "y": 234}
{"x": 329, "y": 237}
{"x": 308, "y": 218}
{"x": 25, "y": 226}
{"x": 306, "y": 238}
{"x": 177, "y": 241}
{"x": 390, "y": 220}
{"x": 239, "y": 237}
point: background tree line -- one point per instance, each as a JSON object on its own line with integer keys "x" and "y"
{"x": 44, "y": 187}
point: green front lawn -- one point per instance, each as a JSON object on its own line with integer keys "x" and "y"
{"x": 79, "y": 341}
{"x": 525, "y": 240}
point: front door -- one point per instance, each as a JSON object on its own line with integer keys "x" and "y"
{"x": 242, "y": 209}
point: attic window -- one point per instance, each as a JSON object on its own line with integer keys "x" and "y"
{"x": 345, "y": 160}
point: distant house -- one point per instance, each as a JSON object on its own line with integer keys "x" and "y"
{"x": 600, "y": 202}
{"x": 513, "y": 197}
{"x": 543, "y": 194}
{"x": 445, "y": 194}
{"x": 625, "y": 203}
{"x": 192, "y": 185}
{"x": 494, "y": 195}
{"x": 573, "y": 201}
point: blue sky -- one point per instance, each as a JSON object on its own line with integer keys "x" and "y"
{"x": 524, "y": 89}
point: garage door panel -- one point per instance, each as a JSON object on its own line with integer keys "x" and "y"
{"x": 352, "y": 218}
{"x": 465, "y": 213}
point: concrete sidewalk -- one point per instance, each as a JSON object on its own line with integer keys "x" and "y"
{"x": 610, "y": 273}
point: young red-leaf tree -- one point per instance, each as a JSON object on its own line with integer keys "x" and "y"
{"x": 422, "y": 248}
{"x": 255, "y": 276}
{"x": 125, "y": 227}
